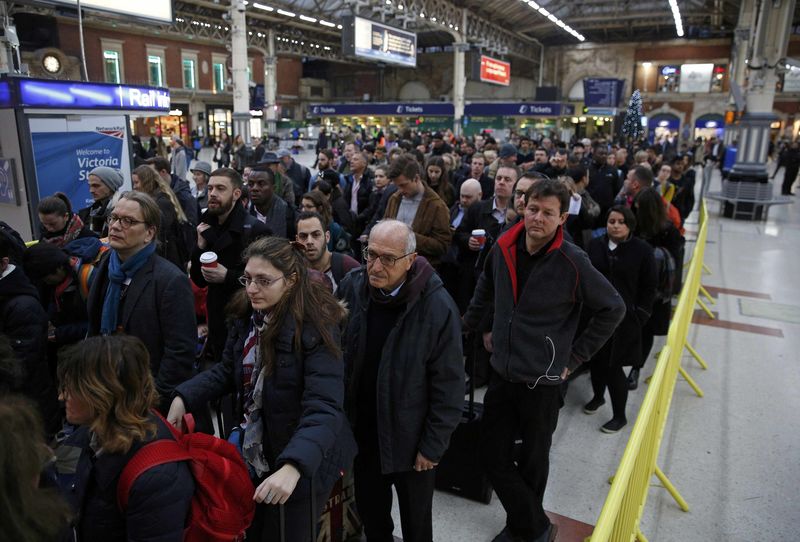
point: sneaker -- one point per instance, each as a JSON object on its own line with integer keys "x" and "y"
{"x": 614, "y": 425}
{"x": 592, "y": 406}
{"x": 633, "y": 379}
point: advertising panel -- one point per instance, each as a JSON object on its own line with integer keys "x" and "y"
{"x": 696, "y": 77}
{"x": 155, "y": 10}
{"x": 370, "y": 40}
{"x": 495, "y": 71}
{"x": 66, "y": 150}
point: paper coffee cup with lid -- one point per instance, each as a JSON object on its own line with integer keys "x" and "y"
{"x": 208, "y": 259}
{"x": 480, "y": 235}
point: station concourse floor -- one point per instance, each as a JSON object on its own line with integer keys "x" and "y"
{"x": 734, "y": 454}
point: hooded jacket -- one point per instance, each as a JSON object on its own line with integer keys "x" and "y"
{"x": 533, "y": 331}
{"x": 420, "y": 386}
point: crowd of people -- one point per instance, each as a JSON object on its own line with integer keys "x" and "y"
{"x": 327, "y": 318}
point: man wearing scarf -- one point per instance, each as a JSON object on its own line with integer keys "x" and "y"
{"x": 405, "y": 380}
{"x": 139, "y": 293}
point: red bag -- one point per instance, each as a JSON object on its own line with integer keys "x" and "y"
{"x": 222, "y": 506}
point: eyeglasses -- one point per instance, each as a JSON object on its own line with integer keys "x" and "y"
{"x": 261, "y": 283}
{"x": 519, "y": 193}
{"x": 124, "y": 221}
{"x": 386, "y": 260}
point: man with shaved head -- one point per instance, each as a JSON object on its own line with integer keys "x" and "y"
{"x": 405, "y": 380}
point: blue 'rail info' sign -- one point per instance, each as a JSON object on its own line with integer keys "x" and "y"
{"x": 77, "y": 95}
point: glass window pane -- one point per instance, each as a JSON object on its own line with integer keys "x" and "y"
{"x": 188, "y": 73}
{"x": 111, "y": 66}
{"x": 219, "y": 77}
{"x": 154, "y": 64}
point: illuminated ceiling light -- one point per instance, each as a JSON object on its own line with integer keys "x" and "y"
{"x": 543, "y": 11}
{"x": 647, "y": 64}
{"x": 308, "y": 19}
{"x": 339, "y": 26}
{"x": 676, "y": 14}
{"x": 433, "y": 19}
{"x": 286, "y": 13}
{"x": 421, "y": 15}
{"x": 327, "y": 23}
{"x": 533, "y": 4}
{"x": 399, "y": 6}
{"x": 555, "y": 20}
{"x": 456, "y": 29}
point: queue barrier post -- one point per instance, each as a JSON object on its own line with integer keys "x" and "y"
{"x": 696, "y": 356}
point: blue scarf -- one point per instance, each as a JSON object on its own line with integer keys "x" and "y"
{"x": 118, "y": 273}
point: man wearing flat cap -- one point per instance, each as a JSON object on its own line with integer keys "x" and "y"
{"x": 506, "y": 157}
{"x": 103, "y": 184}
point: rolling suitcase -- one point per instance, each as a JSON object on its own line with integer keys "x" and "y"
{"x": 461, "y": 471}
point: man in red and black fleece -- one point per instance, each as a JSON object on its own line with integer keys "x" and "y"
{"x": 535, "y": 285}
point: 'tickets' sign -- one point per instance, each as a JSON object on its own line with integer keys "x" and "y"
{"x": 495, "y": 71}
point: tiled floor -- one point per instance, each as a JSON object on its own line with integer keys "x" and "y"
{"x": 734, "y": 454}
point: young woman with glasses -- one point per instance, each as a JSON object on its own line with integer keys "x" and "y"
{"x": 283, "y": 363}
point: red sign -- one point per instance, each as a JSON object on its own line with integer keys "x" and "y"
{"x": 495, "y": 71}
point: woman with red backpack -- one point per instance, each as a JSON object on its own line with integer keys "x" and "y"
{"x": 109, "y": 392}
{"x": 283, "y": 363}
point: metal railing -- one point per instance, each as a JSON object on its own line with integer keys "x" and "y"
{"x": 620, "y": 518}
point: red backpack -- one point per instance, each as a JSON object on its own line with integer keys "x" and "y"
{"x": 222, "y": 506}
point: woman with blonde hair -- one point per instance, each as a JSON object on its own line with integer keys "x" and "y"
{"x": 171, "y": 242}
{"x": 283, "y": 363}
{"x": 108, "y": 391}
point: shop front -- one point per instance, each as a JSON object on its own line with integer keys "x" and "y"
{"x": 176, "y": 122}
{"x": 219, "y": 119}
{"x": 708, "y": 126}
{"x": 662, "y": 125}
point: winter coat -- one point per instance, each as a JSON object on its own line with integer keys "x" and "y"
{"x": 228, "y": 241}
{"x": 168, "y": 233}
{"x": 183, "y": 193}
{"x": 24, "y": 322}
{"x": 631, "y": 269}
{"x": 158, "y": 503}
{"x": 534, "y": 330}
{"x": 420, "y": 385}
{"x": 431, "y": 224}
{"x": 304, "y": 421}
{"x": 158, "y": 309}
{"x": 670, "y": 239}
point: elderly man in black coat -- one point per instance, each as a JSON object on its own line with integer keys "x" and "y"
{"x": 135, "y": 291}
{"x": 405, "y": 381}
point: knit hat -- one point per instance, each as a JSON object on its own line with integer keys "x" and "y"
{"x": 110, "y": 177}
{"x": 507, "y": 151}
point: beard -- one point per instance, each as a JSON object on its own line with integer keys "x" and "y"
{"x": 224, "y": 207}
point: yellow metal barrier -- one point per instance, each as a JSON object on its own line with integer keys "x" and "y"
{"x": 621, "y": 515}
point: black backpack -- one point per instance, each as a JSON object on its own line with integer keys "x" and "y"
{"x": 667, "y": 274}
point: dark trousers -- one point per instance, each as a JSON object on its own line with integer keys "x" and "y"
{"x": 606, "y": 373}
{"x": 374, "y": 499}
{"x": 297, "y": 515}
{"x": 648, "y": 338}
{"x": 511, "y": 411}
{"x": 789, "y": 175}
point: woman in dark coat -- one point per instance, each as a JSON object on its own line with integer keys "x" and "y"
{"x": 108, "y": 391}
{"x": 170, "y": 240}
{"x": 283, "y": 363}
{"x": 628, "y": 263}
{"x": 653, "y": 226}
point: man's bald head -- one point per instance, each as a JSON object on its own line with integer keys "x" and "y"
{"x": 471, "y": 192}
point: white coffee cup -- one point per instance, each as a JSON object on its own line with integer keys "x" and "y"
{"x": 208, "y": 259}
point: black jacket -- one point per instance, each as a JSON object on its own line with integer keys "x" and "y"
{"x": 477, "y": 216}
{"x": 94, "y": 216}
{"x": 534, "y": 331}
{"x": 24, "y": 322}
{"x": 301, "y": 179}
{"x": 183, "y": 193}
{"x": 670, "y": 239}
{"x": 228, "y": 241}
{"x": 631, "y": 269}
{"x": 604, "y": 185}
{"x": 420, "y": 386}
{"x": 168, "y": 234}
{"x": 304, "y": 421}
{"x": 279, "y": 218}
{"x": 158, "y": 502}
{"x": 158, "y": 309}
{"x": 363, "y": 196}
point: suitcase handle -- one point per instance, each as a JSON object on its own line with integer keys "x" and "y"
{"x": 312, "y": 515}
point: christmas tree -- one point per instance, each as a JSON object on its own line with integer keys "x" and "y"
{"x": 633, "y": 118}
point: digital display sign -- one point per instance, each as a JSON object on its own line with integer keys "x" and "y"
{"x": 602, "y": 92}
{"x": 77, "y": 95}
{"x": 362, "y": 38}
{"x": 154, "y": 10}
{"x": 495, "y": 71}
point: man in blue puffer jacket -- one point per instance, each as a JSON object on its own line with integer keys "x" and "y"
{"x": 535, "y": 285}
